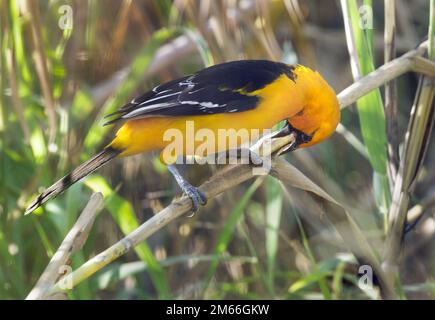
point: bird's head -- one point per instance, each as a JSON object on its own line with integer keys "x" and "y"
{"x": 320, "y": 115}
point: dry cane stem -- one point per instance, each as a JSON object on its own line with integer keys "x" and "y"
{"x": 74, "y": 241}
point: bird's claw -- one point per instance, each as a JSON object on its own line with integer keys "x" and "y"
{"x": 196, "y": 196}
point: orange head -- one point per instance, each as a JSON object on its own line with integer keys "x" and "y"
{"x": 321, "y": 111}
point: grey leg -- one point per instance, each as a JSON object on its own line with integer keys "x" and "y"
{"x": 197, "y": 196}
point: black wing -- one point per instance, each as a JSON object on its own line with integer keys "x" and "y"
{"x": 218, "y": 89}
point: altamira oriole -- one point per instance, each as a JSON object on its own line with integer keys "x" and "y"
{"x": 247, "y": 94}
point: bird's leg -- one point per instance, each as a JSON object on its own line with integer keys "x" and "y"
{"x": 197, "y": 196}
{"x": 252, "y": 158}
{"x": 301, "y": 137}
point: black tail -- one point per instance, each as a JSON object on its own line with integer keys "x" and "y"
{"x": 80, "y": 172}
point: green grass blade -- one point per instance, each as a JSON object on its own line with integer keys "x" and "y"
{"x": 273, "y": 219}
{"x": 370, "y": 107}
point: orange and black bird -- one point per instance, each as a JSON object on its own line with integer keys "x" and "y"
{"x": 246, "y": 94}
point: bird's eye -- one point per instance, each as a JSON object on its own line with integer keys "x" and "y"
{"x": 300, "y": 113}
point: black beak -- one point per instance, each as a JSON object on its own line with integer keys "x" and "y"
{"x": 301, "y": 137}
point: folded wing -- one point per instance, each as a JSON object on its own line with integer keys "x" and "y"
{"x": 224, "y": 88}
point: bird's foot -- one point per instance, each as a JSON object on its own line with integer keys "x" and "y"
{"x": 196, "y": 196}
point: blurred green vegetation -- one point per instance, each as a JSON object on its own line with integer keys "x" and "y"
{"x": 258, "y": 241}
